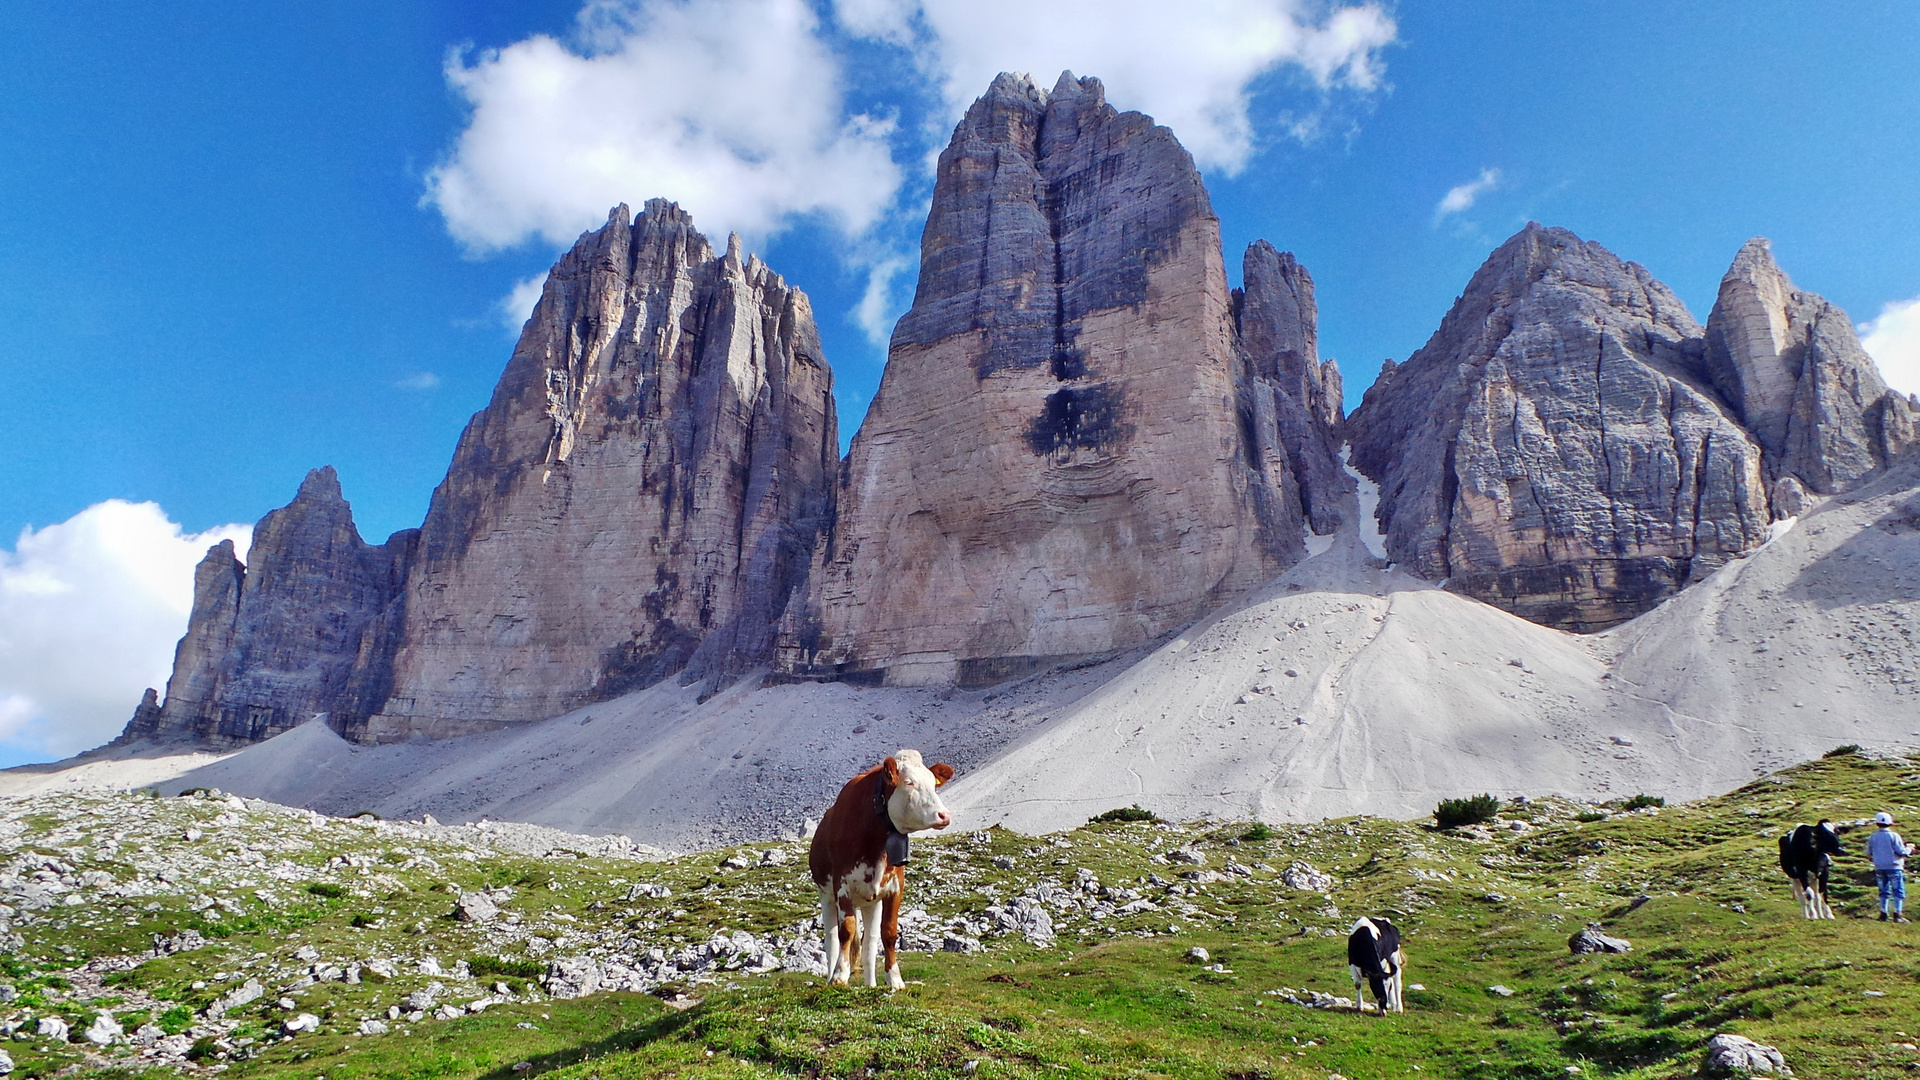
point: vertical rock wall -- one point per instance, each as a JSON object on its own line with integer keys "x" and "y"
{"x": 1556, "y": 448}
{"x": 638, "y": 499}
{"x": 1058, "y": 460}
{"x": 1292, "y": 399}
{"x": 1791, "y": 366}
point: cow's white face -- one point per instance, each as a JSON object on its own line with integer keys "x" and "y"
{"x": 915, "y": 804}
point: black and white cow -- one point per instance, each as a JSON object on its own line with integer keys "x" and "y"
{"x": 1806, "y": 854}
{"x": 1374, "y": 959}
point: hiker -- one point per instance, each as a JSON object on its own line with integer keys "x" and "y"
{"x": 1889, "y": 854}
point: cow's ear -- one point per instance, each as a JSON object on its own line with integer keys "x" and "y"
{"x": 891, "y": 770}
{"x": 942, "y": 773}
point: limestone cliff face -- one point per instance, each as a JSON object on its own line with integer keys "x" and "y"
{"x": 1058, "y": 460}
{"x": 637, "y": 501}
{"x": 1293, "y": 399}
{"x": 1556, "y": 448}
{"x": 1793, "y": 370}
{"x": 274, "y": 642}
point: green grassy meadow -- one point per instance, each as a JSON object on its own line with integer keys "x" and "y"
{"x": 1718, "y": 945}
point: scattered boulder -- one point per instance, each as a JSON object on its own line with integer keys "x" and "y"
{"x": 422, "y": 1000}
{"x": 306, "y": 954}
{"x": 300, "y": 1023}
{"x": 648, "y": 891}
{"x": 51, "y": 1027}
{"x": 1303, "y": 876}
{"x": 373, "y": 1027}
{"x": 572, "y": 977}
{"x": 1187, "y": 855}
{"x": 104, "y": 1030}
{"x": 1198, "y": 955}
{"x": 1591, "y": 940}
{"x": 736, "y": 861}
{"x": 475, "y": 907}
{"x": 1737, "y": 1055}
{"x": 775, "y": 857}
{"x": 6, "y": 1063}
{"x": 1500, "y": 990}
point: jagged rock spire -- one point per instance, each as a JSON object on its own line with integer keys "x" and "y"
{"x": 1792, "y": 367}
{"x": 1055, "y": 464}
{"x": 638, "y": 499}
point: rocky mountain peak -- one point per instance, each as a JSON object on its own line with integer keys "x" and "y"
{"x": 1791, "y": 366}
{"x": 1055, "y": 465}
{"x": 1556, "y": 448}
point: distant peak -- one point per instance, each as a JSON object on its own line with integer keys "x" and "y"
{"x": 1017, "y": 86}
{"x": 321, "y": 484}
{"x": 1755, "y": 259}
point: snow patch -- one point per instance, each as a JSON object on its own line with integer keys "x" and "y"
{"x": 1781, "y": 528}
{"x": 1369, "y": 493}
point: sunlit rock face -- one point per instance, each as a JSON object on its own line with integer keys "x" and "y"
{"x": 1063, "y": 458}
{"x": 1557, "y": 448}
{"x": 1791, "y": 366}
{"x": 638, "y": 500}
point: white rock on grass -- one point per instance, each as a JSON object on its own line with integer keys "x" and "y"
{"x": 1737, "y": 1055}
{"x": 6, "y": 1064}
{"x": 1303, "y": 876}
{"x": 300, "y": 1023}
{"x": 104, "y": 1030}
{"x": 373, "y": 1027}
{"x": 51, "y": 1027}
{"x": 475, "y": 907}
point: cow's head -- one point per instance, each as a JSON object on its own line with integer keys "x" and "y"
{"x": 1826, "y": 841}
{"x": 913, "y": 804}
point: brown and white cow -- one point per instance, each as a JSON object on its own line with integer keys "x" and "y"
{"x": 858, "y": 857}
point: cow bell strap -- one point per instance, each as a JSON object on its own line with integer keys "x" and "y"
{"x": 898, "y": 849}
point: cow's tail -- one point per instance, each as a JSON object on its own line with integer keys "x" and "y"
{"x": 1786, "y": 856}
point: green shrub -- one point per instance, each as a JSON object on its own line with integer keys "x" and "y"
{"x": 361, "y": 921}
{"x": 1257, "y": 833}
{"x": 327, "y": 889}
{"x": 203, "y": 1048}
{"x": 1643, "y": 801}
{"x": 1588, "y": 817}
{"x": 481, "y": 966}
{"x": 1452, "y": 813}
{"x": 1124, "y": 813}
{"x": 176, "y": 1020}
{"x": 1842, "y": 751}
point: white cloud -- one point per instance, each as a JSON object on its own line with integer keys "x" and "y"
{"x": 1461, "y": 198}
{"x": 517, "y": 306}
{"x": 876, "y": 312}
{"x": 1191, "y": 69}
{"x": 419, "y": 380}
{"x": 733, "y": 108}
{"x": 90, "y": 610}
{"x": 1893, "y": 340}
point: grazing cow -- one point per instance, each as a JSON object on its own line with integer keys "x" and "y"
{"x": 1374, "y": 959}
{"x": 858, "y": 859}
{"x": 1806, "y": 854}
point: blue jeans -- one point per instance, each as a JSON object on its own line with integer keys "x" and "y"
{"x": 1893, "y": 887}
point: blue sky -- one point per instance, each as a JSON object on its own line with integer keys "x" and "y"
{"x": 240, "y": 241}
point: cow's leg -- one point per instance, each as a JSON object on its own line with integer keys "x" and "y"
{"x": 870, "y": 942}
{"x": 890, "y": 937}
{"x": 1359, "y": 987}
{"x": 849, "y": 940}
{"x": 1397, "y": 985}
{"x": 1800, "y": 897}
{"x": 1826, "y": 911}
{"x": 830, "y": 933}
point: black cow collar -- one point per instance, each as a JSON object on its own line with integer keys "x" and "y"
{"x": 898, "y": 850}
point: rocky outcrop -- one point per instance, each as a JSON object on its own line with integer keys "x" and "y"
{"x": 637, "y": 501}
{"x": 1060, "y": 460}
{"x": 1791, "y": 366}
{"x": 286, "y": 636}
{"x": 1556, "y": 448}
{"x": 1291, "y": 397}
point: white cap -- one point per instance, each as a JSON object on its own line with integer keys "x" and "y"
{"x": 1883, "y": 818}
